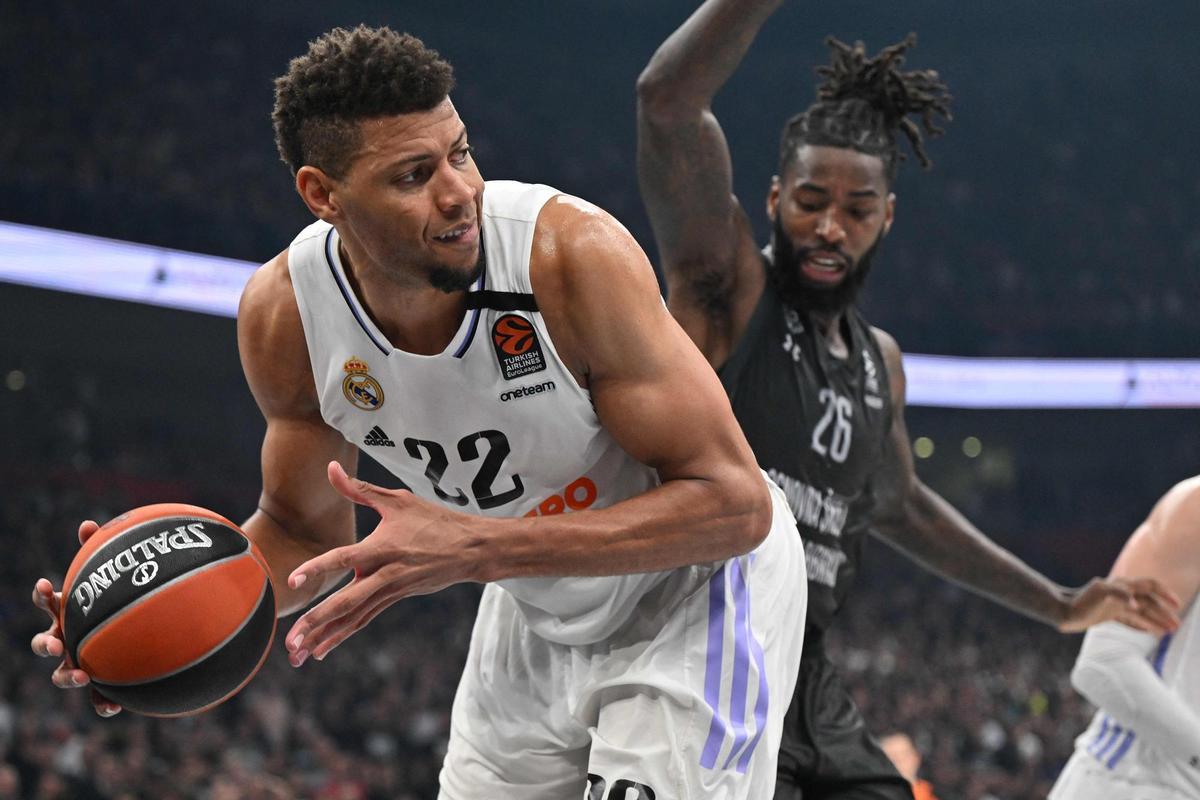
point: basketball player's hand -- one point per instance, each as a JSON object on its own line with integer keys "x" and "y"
{"x": 49, "y": 643}
{"x": 1142, "y": 603}
{"x": 419, "y": 547}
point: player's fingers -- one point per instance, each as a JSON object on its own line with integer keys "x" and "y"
{"x": 342, "y": 603}
{"x": 332, "y": 638}
{"x": 339, "y": 559}
{"x": 103, "y": 706}
{"x": 67, "y": 677}
{"x": 1144, "y": 613}
{"x": 1158, "y": 614}
{"x": 327, "y": 646}
{"x": 47, "y": 644}
{"x": 354, "y": 489}
{"x": 86, "y": 529}
{"x": 45, "y": 598}
{"x": 1140, "y": 623}
{"x": 1148, "y": 602}
{"x": 1156, "y": 590}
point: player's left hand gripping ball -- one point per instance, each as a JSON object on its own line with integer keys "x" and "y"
{"x": 168, "y": 609}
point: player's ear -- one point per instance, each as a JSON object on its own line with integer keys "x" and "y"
{"x": 317, "y": 190}
{"x": 773, "y": 198}
{"x": 889, "y": 212}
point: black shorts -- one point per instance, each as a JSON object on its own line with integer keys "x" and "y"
{"x": 827, "y": 753}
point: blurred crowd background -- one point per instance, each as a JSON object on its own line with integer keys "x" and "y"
{"x": 1059, "y": 220}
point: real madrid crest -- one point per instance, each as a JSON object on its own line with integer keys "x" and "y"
{"x": 360, "y": 388}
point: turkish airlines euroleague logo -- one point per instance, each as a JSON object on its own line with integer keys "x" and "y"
{"x": 517, "y": 346}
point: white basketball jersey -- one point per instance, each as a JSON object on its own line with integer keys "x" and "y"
{"x": 494, "y": 425}
{"x": 1118, "y": 748}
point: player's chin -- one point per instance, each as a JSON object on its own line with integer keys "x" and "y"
{"x": 461, "y": 258}
{"x": 455, "y": 277}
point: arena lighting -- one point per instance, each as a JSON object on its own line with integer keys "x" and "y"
{"x": 72, "y": 262}
{"x": 91, "y": 265}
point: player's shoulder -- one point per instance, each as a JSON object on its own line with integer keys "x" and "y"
{"x": 1180, "y": 506}
{"x": 271, "y": 342}
{"x": 269, "y": 291}
{"x": 268, "y": 295}
{"x": 270, "y": 328}
{"x": 565, "y": 225}
{"x": 888, "y": 346}
{"x": 1170, "y": 536}
{"x": 575, "y": 237}
{"x": 884, "y": 340}
{"x": 568, "y": 217}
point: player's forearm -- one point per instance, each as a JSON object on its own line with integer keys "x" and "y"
{"x": 678, "y": 523}
{"x": 695, "y": 61}
{"x": 284, "y": 550}
{"x": 933, "y": 532}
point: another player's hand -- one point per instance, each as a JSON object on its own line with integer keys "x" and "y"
{"x": 49, "y": 643}
{"x": 1142, "y": 603}
{"x": 418, "y": 548}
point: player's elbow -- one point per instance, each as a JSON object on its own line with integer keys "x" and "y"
{"x": 650, "y": 85}
{"x": 659, "y": 100}
{"x": 748, "y": 502}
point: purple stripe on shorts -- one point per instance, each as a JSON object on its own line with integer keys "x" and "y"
{"x": 764, "y": 697}
{"x": 1122, "y": 750}
{"x": 1161, "y": 655}
{"x": 1100, "y": 736}
{"x": 741, "y": 660}
{"x": 1112, "y": 739}
{"x": 712, "y": 668}
{"x": 1100, "y": 752}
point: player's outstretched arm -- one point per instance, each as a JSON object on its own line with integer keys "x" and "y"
{"x": 654, "y": 393}
{"x": 1119, "y": 668}
{"x": 916, "y": 520}
{"x": 686, "y": 177}
{"x": 299, "y": 514}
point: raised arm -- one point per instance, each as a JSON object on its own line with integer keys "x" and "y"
{"x": 916, "y": 520}
{"x": 299, "y": 514}
{"x": 686, "y": 178}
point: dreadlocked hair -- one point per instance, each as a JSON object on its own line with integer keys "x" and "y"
{"x": 345, "y": 77}
{"x": 864, "y": 101}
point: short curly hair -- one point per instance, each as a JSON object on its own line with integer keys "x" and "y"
{"x": 345, "y": 77}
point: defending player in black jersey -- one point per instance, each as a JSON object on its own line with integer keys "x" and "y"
{"x": 818, "y": 391}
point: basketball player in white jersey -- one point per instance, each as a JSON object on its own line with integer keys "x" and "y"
{"x": 1144, "y": 742}
{"x": 503, "y": 349}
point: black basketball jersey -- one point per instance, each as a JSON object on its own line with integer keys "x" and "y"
{"x": 817, "y": 424}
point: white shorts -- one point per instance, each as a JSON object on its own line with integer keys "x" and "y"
{"x": 1085, "y": 778}
{"x": 686, "y": 700}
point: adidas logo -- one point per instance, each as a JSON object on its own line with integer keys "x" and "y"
{"x": 377, "y": 438}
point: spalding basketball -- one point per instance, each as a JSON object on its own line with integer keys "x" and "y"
{"x": 169, "y": 608}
